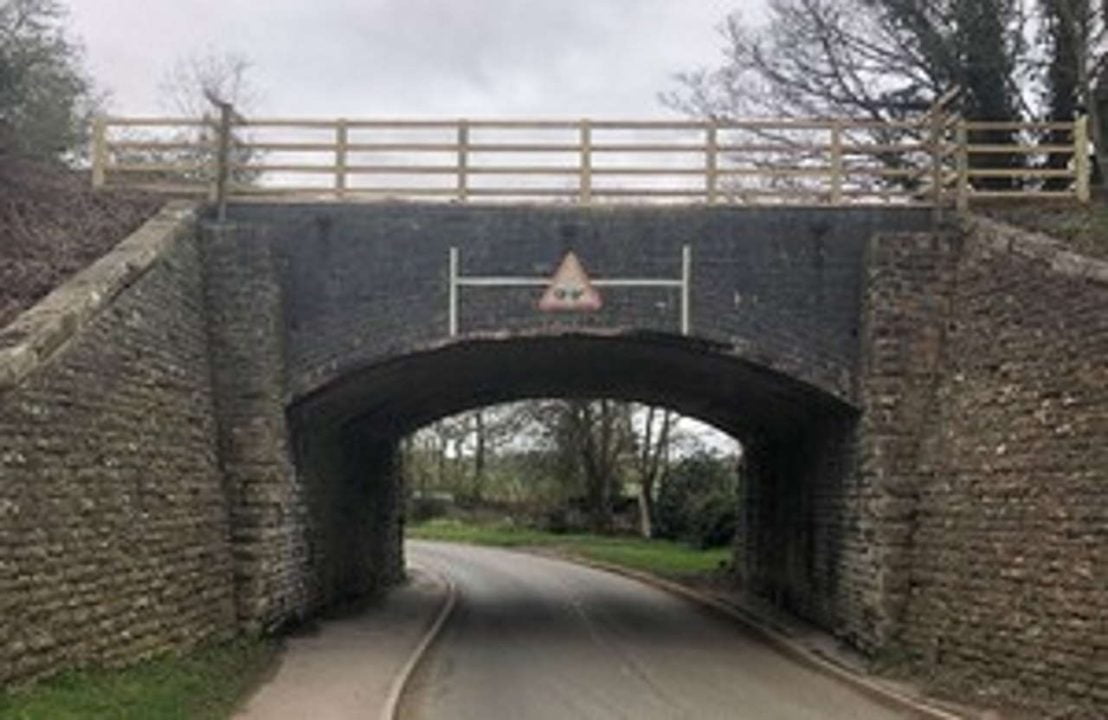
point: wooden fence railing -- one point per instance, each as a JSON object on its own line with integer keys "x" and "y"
{"x": 935, "y": 160}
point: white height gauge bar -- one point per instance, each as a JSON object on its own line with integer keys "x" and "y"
{"x": 458, "y": 281}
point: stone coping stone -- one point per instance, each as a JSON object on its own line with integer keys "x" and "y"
{"x": 35, "y": 335}
{"x": 1004, "y": 237}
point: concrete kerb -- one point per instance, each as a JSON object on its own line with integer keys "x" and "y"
{"x": 775, "y": 638}
{"x": 390, "y": 709}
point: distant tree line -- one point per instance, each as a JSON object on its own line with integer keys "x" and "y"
{"x": 604, "y": 466}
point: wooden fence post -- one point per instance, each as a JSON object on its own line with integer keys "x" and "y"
{"x": 223, "y": 160}
{"x": 937, "y": 159}
{"x": 711, "y": 162}
{"x": 1081, "y": 158}
{"x": 341, "y": 143}
{"x": 99, "y": 151}
{"x": 463, "y": 160}
{"x": 837, "y": 162}
{"x": 585, "y": 183}
{"x": 963, "y": 166}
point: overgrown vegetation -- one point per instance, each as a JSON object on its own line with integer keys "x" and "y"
{"x": 52, "y": 225}
{"x": 661, "y": 557}
{"x": 1084, "y": 229}
{"x": 206, "y": 684}
{"x": 698, "y": 503}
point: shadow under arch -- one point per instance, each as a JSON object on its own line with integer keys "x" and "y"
{"x": 797, "y": 448}
{"x": 701, "y": 379}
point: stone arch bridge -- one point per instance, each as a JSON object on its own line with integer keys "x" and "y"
{"x": 197, "y": 434}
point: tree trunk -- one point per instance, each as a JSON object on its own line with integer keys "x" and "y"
{"x": 479, "y": 455}
{"x": 646, "y": 511}
{"x": 1098, "y": 124}
{"x": 1067, "y": 77}
{"x": 650, "y": 465}
{"x": 441, "y": 445}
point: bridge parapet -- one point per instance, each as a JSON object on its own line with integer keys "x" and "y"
{"x": 937, "y": 159}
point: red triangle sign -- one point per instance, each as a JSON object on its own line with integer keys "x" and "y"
{"x": 570, "y": 289}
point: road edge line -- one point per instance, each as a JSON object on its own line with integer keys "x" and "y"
{"x": 778, "y": 640}
{"x": 391, "y": 708}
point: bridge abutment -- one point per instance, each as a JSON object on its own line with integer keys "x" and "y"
{"x": 353, "y": 488}
{"x": 269, "y": 513}
{"x": 909, "y": 285}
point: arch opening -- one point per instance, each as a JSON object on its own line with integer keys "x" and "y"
{"x": 540, "y": 469}
{"x": 796, "y": 441}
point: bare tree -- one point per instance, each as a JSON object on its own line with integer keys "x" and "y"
{"x": 597, "y": 434}
{"x": 879, "y": 59}
{"x": 191, "y": 83}
{"x": 193, "y": 88}
{"x": 882, "y": 60}
{"x": 651, "y": 462}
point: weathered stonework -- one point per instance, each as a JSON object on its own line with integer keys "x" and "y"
{"x": 984, "y": 445}
{"x": 908, "y": 301}
{"x": 1009, "y": 564}
{"x": 268, "y": 509}
{"x": 353, "y": 497}
{"x": 113, "y": 522}
{"x": 797, "y": 543}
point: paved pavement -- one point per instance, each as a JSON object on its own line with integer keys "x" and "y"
{"x": 344, "y": 670}
{"x": 534, "y": 638}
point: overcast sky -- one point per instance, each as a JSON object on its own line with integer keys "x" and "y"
{"x": 561, "y": 58}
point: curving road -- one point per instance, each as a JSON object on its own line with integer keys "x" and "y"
{"x": 540, "y": 639}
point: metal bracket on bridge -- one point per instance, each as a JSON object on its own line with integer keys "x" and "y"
{"x": 458, "y": 281}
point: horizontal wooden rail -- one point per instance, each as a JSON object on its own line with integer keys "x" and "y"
{"x": 1044, "y": 149}
{"x": 939, "y": 158}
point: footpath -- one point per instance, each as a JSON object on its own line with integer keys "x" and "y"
{"x": 352, "y": 667}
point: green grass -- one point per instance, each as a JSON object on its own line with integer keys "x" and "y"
{"x": 1083, "y": 228}
{"x": 661, "y": 557}
{"x": 204, "y": 685}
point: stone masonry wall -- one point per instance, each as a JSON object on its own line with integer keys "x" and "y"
{"x": 113, "y": 521}
{"x": 828, "y": 512}
{"x": 354, "y": 497}
{"x": 984, "y": 457}
{"x": 269, "y": 510}
{"x": 908, "y": 285}
{"x": 311, "y": 506}
{"x": 1009, "y": 562}
{"x": 792, "y": 543}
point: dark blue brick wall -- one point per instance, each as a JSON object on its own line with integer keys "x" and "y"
{"x": 781, "y": 287}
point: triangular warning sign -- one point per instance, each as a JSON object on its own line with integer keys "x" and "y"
{"x": 570, "y": 289}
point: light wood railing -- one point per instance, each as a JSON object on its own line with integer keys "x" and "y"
{"x": 939, "y": 159}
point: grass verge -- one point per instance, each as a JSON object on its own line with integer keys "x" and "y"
{"x": 661, "y": 557}
{"x": 1084, "y": 228}
{"x": 206, "y": 684}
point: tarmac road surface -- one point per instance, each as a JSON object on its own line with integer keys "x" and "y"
{"x": 533, "y": 638}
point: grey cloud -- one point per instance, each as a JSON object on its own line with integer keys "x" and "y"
{"x": 414, "y": 57}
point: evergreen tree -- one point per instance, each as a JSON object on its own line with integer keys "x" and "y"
{"x": 46, "y": 98}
